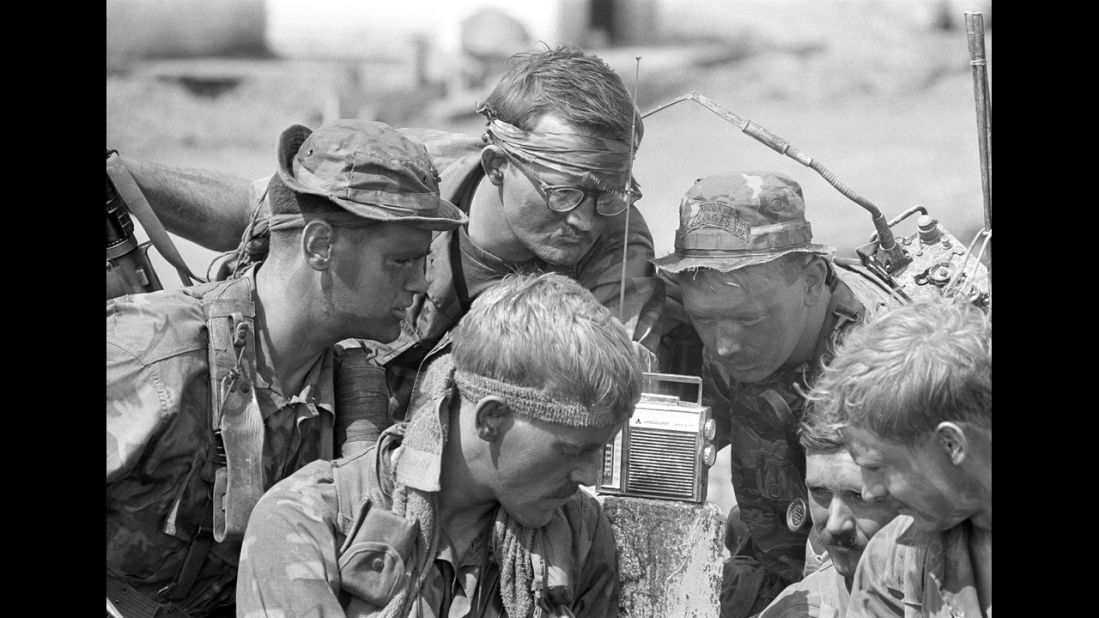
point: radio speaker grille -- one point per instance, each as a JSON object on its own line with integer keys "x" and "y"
{"x": 662, "y": 462}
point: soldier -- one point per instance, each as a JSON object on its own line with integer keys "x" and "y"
{"x": 544, "y": 188}
{"x": 217, "y": 391}
{"x": 914, "y": 386}
{"x": 768, "y": 305}
{"x": 842, "y": 521}
{"x": 472, "y": 508}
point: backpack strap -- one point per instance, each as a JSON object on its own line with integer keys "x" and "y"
{"x": 460, "y": 180}
{"x": 844, "y": 309}
{"x": 461, "y": 290}
{"x": 235, "y": 416}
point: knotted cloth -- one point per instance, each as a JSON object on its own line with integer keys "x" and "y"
{"x": 567, "y": 153}
{"x": 528, "y": 558}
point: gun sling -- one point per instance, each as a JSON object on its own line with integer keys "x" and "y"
{"x": 139, "y": 207}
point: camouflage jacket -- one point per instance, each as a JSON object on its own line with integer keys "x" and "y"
{"x": 822, "y": 594}
{"x": 760, "y": 422}
{"x": 906, "y": 574}
{"x": 313, "y": 549}
{"x": 160, "y": 447}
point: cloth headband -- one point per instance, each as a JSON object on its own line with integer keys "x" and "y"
{"x": 567, "y": 153}
{"x": 535, "y": 402}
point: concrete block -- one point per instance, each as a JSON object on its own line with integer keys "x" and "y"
{"x": 669, "y": 556}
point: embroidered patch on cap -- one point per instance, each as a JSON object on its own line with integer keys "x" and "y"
{"x": 717, "y": 215}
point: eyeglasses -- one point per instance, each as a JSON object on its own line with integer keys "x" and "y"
{"x": 564, "y": 198}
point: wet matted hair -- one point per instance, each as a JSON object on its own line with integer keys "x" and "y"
{"x": 909, "y": 368}
{"x": 547, "y": 332}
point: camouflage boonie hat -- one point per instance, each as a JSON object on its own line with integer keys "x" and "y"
{"x": 369, "y": 169}
{"x": 740, "y": 219}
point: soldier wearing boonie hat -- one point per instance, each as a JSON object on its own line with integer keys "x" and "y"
{"x": 740, "y": 219}
{"x": 543, "y": 184}
{"x": 768, "y": 305}
{"x": 369, "y": 170}
{"x": 237, "y": 375}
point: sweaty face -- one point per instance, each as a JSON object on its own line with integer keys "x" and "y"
{"x": 556, "y": 238}
{"x": 375, "y": 273}
{"x": 921, "y": 480}
{"x": 749, "y": 321}
{"x": 843, "y": 520}
{"x": 539, "y": 465}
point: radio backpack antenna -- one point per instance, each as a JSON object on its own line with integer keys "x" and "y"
{"x": 975, "y": 34}
{"x": 629, "y": 192}
{"x": 890, "y": 255}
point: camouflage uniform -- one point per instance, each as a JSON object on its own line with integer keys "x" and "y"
{"x": 297, "y": 559}
{"x": 160, "y": 446}
{"x": 451, "y": 287}
{"x": 822, "y": 594}
{"x": 768, "y": 463}
{"x": 760, "y": 420}
{"x": 164, "y": 459}
{"x": 907, "y": 574}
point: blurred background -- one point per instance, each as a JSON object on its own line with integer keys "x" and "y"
{"x": 880, "y": 92}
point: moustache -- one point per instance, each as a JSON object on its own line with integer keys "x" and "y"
{"x": 571, "y": 233}
{"x": 847, "y": 540}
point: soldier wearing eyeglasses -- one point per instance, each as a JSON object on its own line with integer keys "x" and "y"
{"x": 546, "y": 188}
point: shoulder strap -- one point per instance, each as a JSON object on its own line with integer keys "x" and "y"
{"x": 861, "y": 294}
{"x": 866, "y": 285}
{"x": 844, "y": 309}
{"x": 458, "y": 183}
{"x": 235, "y": 417}
{"x": 461, "y": 290}
{"x": 139, "y": 207}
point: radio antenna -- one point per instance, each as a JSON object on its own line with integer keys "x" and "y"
{"x": 629, "y": 192}
{"x": 975, "y": 33}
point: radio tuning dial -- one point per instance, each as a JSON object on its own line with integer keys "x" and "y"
{"x": 709, "y": 429}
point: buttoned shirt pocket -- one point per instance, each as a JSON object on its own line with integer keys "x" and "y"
{"x": 372, "y": 571}
{"x": 778, "y": 477}
{"x": 377, "y": 555}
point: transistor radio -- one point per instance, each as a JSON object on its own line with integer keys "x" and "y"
{"x": 665, "y": 450}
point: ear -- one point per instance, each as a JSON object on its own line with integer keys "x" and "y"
{"x": 816, "y": 273}
{"x": 493, "y": 417}
{"x": 316, "y": 244}
{"x": 953, "y": 441}
{"x": 493, "y": 160}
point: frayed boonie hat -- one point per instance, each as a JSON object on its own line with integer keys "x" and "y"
{"x": 369, "y": 169}
{"x": 738, "y": 219}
